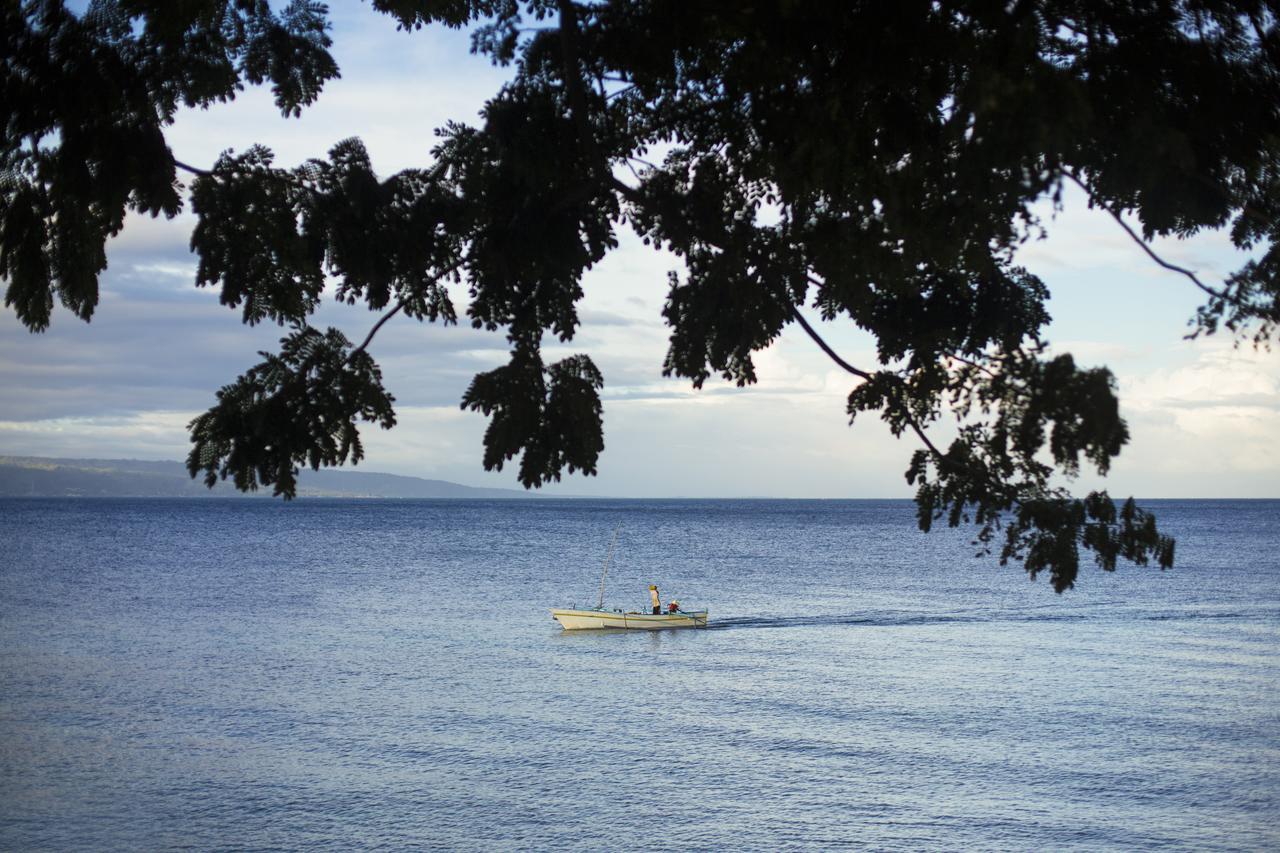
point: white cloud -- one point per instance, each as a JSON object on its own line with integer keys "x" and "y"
{"x": 142, "y": 435}
{"x": 1222, "y": 376}
{"x": 1205, "y": 426}
{"x": 1214, "y": 418}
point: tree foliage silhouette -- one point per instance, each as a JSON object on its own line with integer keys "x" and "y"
{"x": 879, "y": 163}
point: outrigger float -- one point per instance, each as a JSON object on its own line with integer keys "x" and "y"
{"x": 573, "y": 619}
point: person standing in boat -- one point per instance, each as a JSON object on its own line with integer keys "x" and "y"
{"x": 656, "y": 599}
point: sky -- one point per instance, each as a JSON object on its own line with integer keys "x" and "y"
{"x": 1204, "y": 415}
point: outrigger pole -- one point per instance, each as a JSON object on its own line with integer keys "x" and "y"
{"x": 605, "y": 573}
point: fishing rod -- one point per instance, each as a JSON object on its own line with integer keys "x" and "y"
{"x": 605, "y": 573}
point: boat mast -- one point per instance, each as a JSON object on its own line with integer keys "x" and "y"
{"x": 605, "y": 573}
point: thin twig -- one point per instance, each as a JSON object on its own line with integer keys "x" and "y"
{"x": 1143, "y": 243}
{"x": 403, "y": 303}
{"x": 817, "y": 339}
{"x": 937, "y": 454}
{"x": 376, "y": 326}
{"x": 611, "y": 95}
{"x": 972, "y": 364}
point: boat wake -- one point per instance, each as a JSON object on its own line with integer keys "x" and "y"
{"x": 861, "y": 619}
{"x": 890, "y": 619}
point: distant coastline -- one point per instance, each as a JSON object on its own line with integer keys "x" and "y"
{"x": 49, "y": 477}
{"x": 44, "y": 477}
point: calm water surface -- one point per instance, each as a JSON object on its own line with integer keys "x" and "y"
{"x": 360, "y": 674}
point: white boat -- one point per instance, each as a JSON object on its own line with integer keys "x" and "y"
{"x": 573, "y": 619}
{"x": 576, "y": 620}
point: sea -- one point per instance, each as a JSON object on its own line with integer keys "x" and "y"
{"x": 239, "y": 674}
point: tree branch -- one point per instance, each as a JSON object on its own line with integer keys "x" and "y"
{"x": 817, "y": 339}
{"x": 975, "y": 365}
{"x": 192, "y": 169}
{"x": 569, "y": 67}
{"x": 400, "y": 306}
{"x": 610, "y": 96}
{"x": 631, "y": 194}
{"x": 1145, "y": 247}
{"x": 376, "y": 327}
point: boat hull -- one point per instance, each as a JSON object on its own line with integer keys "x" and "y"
{"x": 585, "y": 620}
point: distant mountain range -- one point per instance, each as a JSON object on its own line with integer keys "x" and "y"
{"x": 32, "y": 476}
